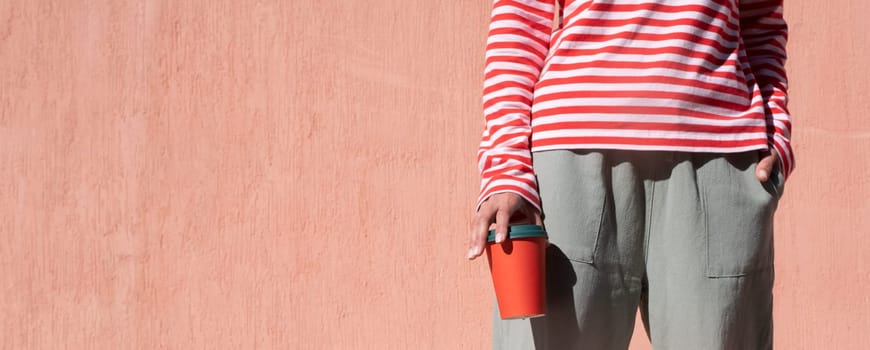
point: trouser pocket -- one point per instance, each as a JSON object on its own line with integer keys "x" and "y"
{"x": 573, "y": 197}
{"x": 738, "y": 214}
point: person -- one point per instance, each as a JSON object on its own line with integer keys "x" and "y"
{"x": 651, "y": 138}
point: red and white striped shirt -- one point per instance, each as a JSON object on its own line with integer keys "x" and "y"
{"x": 670, "y": 75}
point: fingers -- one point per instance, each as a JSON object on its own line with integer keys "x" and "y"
{"x": 765, "y": 166}
{"x": 502, "y": 221}
{"x": 479, "y": 230}
{"x": 532, "y": 215}
{"x": 498, "y": 209}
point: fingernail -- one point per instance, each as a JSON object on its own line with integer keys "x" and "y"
{"x": 763, "y": 174}
{"x": 473, "y": 251}
{"x": 499, "y": 237}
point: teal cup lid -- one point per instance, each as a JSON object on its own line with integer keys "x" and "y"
{"x": 520, "y": 231}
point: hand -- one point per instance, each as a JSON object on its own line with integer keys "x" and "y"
{"x": 765, "y": 165}
{"x": 502, "y": 209}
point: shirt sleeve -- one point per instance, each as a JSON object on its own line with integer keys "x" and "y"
{"x": 764, "y": 32}
{"x": 517, "y": 44}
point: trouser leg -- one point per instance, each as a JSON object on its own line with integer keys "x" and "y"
{"x": 710, "y": 254}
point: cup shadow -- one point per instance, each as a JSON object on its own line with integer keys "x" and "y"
{"x": 559, "y": 326}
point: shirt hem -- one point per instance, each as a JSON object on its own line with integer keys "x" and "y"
{"x": 665, "y": 148}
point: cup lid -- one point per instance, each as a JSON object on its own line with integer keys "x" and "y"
{"x": 520, "y": 231}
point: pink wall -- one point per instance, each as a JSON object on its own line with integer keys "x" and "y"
{"x": 299, "y": 174}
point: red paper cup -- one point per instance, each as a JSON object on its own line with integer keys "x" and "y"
{"x": 518, "y": 271}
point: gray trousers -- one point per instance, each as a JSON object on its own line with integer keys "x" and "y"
{"x": 685, "y": 237}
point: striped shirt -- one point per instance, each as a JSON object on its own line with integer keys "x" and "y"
{"x": 667, "y": 75}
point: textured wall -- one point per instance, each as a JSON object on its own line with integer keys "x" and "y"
{"x": 299, "y": 174}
